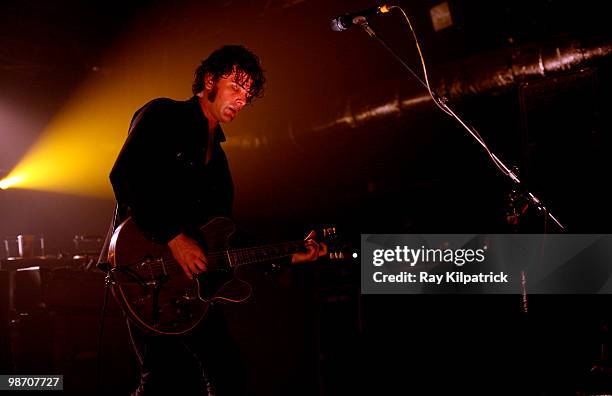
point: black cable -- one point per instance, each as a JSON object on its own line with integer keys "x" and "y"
{"x": 107, "y": 286}
{"x": 441, "y": 103}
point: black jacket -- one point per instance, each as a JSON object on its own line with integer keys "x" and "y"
{"x": 160, "y": 177}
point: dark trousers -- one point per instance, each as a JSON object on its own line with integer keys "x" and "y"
{"x": 206, "y": 362}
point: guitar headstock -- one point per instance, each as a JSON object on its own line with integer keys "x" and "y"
{"x": 336, "y": 247}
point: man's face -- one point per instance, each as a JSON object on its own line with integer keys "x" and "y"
{"x": 228, "y": 97}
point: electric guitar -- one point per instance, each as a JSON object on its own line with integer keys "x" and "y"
{"x": 157, "y": 295}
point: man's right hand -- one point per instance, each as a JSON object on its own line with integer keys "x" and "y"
{"x": 188, "y": 254}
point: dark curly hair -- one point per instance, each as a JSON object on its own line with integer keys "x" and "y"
{"x": 223, "y": 61}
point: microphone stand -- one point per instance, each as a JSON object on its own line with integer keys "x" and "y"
{"x": 528, "y": 196}
{"x": 442, "y": 102}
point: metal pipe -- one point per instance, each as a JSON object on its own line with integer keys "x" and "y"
{"x": 492, "y": 72}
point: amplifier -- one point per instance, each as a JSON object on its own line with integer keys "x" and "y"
{"x": 49, "y": 320}
{"x": 57, "y": 284}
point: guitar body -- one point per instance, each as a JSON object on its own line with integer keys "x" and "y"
{"x": 152, "y": 287}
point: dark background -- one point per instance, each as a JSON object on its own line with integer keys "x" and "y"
{"x": 532, "y": 76}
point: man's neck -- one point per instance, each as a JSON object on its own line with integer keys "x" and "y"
{"x": 212, "y": 124}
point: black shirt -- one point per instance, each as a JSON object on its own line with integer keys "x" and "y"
{"x": 160, "y": 177}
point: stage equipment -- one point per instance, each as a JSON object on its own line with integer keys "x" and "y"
{"x": 442, "y": 103}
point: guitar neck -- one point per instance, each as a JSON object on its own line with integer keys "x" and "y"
{"x": 259, "y": 254}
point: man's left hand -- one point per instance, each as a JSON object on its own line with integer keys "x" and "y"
{"x": 314, "y": 250}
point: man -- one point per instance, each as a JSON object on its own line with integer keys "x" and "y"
{"x": 172, "y": 176}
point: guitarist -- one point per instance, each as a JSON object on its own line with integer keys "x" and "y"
{"x": 172, "y": 176}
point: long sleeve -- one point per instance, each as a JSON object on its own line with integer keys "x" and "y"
{"x": 144, "y": 174}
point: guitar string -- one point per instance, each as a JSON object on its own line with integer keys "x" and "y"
{"x": 248, "y": 252}
{"x": 244, "y": 255}
{"x": 172, "y": 264}
{"x": 264, "y": 246}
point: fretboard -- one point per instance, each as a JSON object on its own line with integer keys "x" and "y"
{"x": 251, "y": 255}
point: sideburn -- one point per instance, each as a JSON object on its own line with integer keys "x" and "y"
{"x": 212, "y": 95}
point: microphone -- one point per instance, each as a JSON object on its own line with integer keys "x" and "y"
{"x": 343, "y": 22}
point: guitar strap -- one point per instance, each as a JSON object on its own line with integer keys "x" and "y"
{"x": 103, "y": 264}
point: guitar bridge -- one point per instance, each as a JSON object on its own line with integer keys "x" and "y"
{"x": 154, "y": 266}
